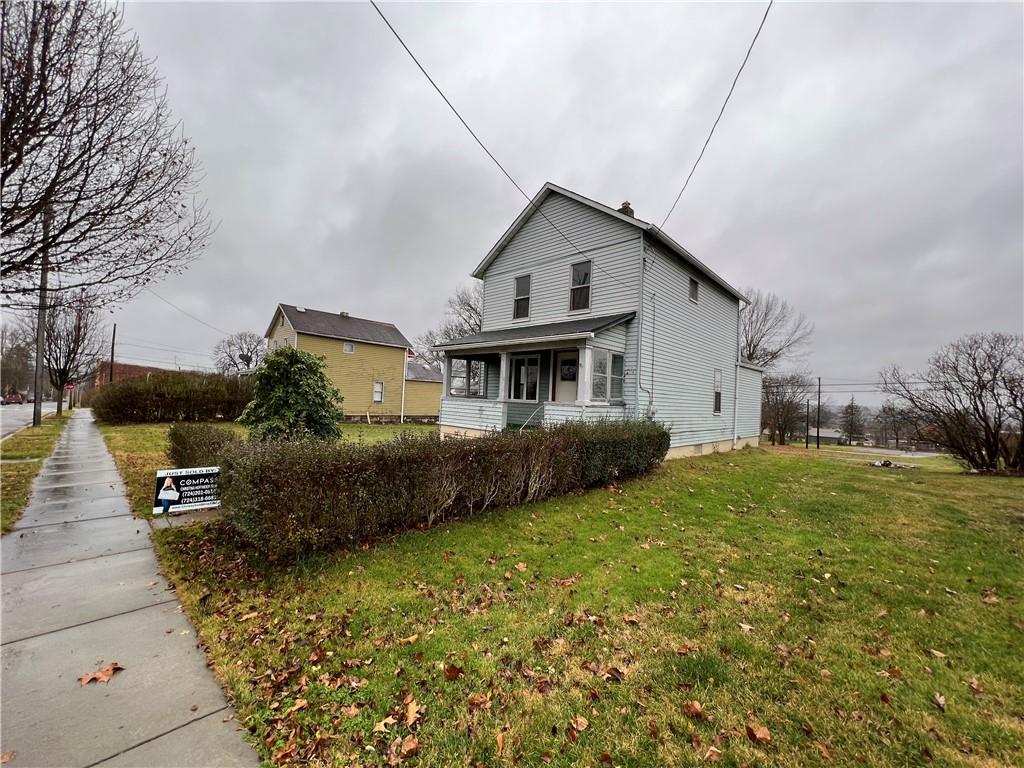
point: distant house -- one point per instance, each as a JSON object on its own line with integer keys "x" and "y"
{"x": 367, "y": 360}
{"x": 828, "y": 436}
{"x": 591, "y": 313}
{"x": 122, "y": 372}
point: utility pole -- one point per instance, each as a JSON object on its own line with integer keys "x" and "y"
{"x": 807, "y": 426}
{"x": 113, "y": 337}
{"x": 37, "y": 403}
{"x": 817, "y": 426}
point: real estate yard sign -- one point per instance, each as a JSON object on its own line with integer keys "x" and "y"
{"x": 179, "y": 490}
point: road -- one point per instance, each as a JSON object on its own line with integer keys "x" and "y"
{"x": 14, "y": 417}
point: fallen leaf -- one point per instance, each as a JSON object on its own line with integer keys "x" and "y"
{"x": 101, "y": 675}
{"x": 937, "y": 654}
{"x": 451, "y": 672}
{"x": 579, "y": 723}
{"x": 410, "y": 639}
{"x": 825, "y": 674}
{"x": 975, "y": 686}
{"x": 939, "y": 701}
{"x": 693, "y": 709}
{"x": 501, "y": 741}
{"x": 382, "y": 726}
{"x": 350, "y": 710}
{"x": 713, "y": 754}
{"x": 758, "y": 734}
{"x": 299, "y": 704}
{"x": 521, "y": 567}
{"x": 823, "y": 750}
{"x": 413, "y": 712}
{"x": 746, "y": 627}
{"x": 629, "y": 618}
{"x": 248, "y": 616}
{"x": 6, "y": 757}
{"x": 612, "y": 674}
{"x": 194, "y": 708}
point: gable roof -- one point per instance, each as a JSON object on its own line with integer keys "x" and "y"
{"x": 545, "y": 331}
{"x": 337, "y": 325}
{"x": 651, "y": 230}
{"x": 417, "y": 371}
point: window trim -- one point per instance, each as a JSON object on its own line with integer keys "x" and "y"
{"x": 484, "y": 379}
{"x": 716, "y": 397}
{"x": 373, "y": 396}
{"x": 516, "y": 297}
{"x": 511, "y": 376}
{"x": 589, "y": 286}
{"x": 609, "y": 356}
{"x": 694, "y": 290}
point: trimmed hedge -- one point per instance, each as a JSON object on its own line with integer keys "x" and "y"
{"x": 198, "y": 445}
{"x": 172, "y": 396}
{"x": 291, "y": 498}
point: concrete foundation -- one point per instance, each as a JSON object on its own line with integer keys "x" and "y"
{"x": 449, "y": 431}
{"x": 721, "y": 446}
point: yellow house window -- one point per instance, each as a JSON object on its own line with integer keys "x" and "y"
{"x": 348, "y": 347}
{"x": 378, "y": 391}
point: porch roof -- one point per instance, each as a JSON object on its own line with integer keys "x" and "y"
{"x": 566, "y": 329}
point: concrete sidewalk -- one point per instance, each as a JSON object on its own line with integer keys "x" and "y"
{"x": 81, "y": 588}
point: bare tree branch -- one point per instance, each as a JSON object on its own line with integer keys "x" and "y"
{"x": 464, "y": 315}
{"x": 770, "y": 330}
{"x": 86, "y": 129}
{"x": 239, "y": 352}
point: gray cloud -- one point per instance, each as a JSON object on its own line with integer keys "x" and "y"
{"x": 869, "y": 167}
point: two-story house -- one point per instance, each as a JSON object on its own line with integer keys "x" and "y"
{"x": 368, "y": 361}
{"x": 591, "y": 313}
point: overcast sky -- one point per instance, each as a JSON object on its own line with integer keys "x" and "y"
{"x": 868, "y": 167}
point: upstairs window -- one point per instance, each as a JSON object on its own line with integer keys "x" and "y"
{"x": 521, "y": 305}
{"x": 718, "y": 390}
{"x": 348, "y": 347}
{"x": 607, "y": 375}
{"x": 378, "y": 391}
{"x": 579, "y": 290}
{"x": 694, "y": 290}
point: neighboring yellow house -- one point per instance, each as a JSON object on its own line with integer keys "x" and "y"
{"x": 368, "y": 361}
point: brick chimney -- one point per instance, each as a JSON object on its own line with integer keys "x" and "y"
{"x": 626, "y": 208}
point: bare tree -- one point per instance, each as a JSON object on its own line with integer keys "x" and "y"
{"x": 74, "y": 342}
{"x": 771, "y": 331}
{"x": 784, "y": 403}
{"x": 851, "y": 421}
{"x": 970, "y": 400}
{"x": 239, "y": 352}
{"x": 464, "y": 315}
{"x": 16, "y": 357}
{"x": 895, "y": 421}
{"x": 88, "y": 139}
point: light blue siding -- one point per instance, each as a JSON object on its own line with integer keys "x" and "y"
{"x": 472, "y": 413}
{"x": 749, "y": 407}
{"x": 538, "y": 250}
{"x": 684, "y": 343}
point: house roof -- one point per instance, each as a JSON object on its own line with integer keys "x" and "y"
{"x": 340, "y": 325}
{"x": 543, "y": 332}
{"x": 416, "y": 371}
{"x": 651, "y": 230}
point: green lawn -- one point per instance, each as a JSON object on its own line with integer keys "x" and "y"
{"x": 21, "y": 458}
{"x": 139, "y": 450}
{"x": 862, "y": 616}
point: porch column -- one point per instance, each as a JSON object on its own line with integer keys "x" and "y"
{"x": 503, "y": 377}
{"x": 446, "y": 370}
{"x": 583, "y": 372}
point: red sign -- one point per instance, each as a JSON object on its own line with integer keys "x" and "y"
{"x": 68, "y": 387}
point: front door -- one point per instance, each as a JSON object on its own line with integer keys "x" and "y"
{"x": 566, "y": 374}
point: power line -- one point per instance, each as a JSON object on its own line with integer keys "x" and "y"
{"x": 482, "y": 145}
{"x": 188, "y": 314}
{"x": 720, "y": 113}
